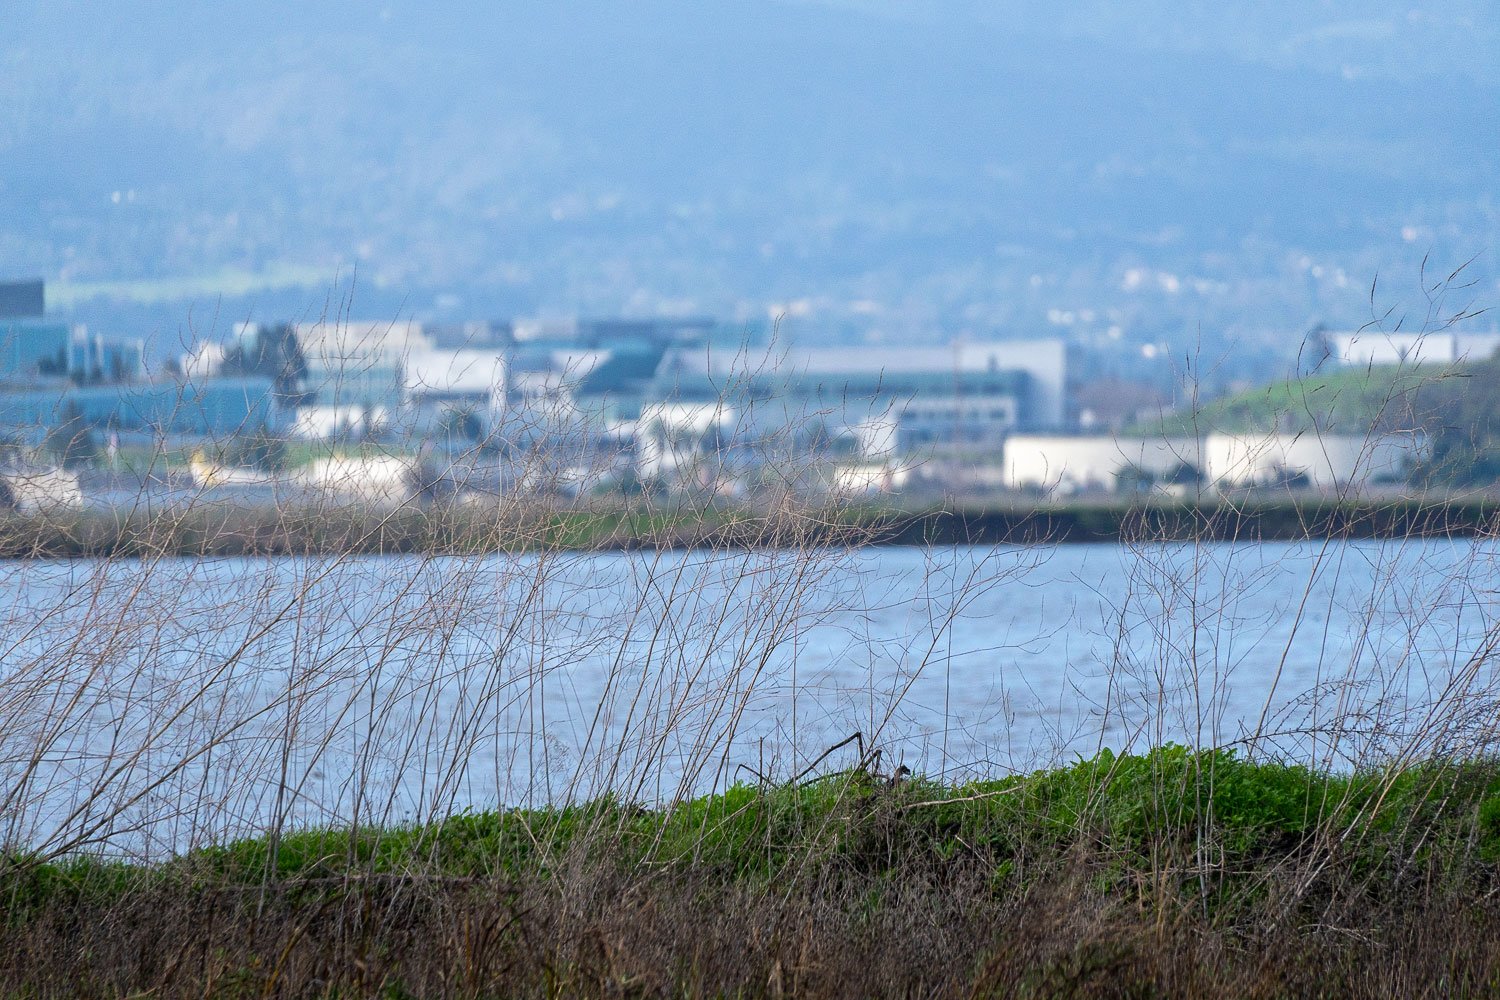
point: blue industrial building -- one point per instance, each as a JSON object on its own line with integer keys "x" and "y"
{"x": 32, "y": 349}
{"x": 52, "y": 373}
{"x": 21, "y": 299}
{"x": 214, "y": 408}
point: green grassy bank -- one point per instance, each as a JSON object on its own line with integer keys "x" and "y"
{"x": 1173, "y": 873}
{"x": 226, "y": 530}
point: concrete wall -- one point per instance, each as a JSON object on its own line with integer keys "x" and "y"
{"x": 1071, "y": 463}
{"x": 1327, "y": 461}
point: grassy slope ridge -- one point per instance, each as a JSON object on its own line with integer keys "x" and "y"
{"x": 1173, "y": 873}
{"x": 1349, "y": 401}
{"x": 1353, "y": 401}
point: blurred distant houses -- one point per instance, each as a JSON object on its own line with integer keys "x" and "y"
{"x": 678, "y": 403}
{"x": 382, "y": 409}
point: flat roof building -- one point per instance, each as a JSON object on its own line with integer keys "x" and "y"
{"x": 22, "y": 299}
{"x": 31, "y": 349}
{"x": 220, "y": 407}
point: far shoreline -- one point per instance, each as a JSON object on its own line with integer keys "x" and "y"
{"x": 215, "y": 530}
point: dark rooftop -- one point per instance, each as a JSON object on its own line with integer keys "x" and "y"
{"x": 21, "y": 299}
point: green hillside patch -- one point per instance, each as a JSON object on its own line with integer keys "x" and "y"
{"x": 1341, "y": 401}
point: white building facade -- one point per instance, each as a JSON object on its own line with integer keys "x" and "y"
{"x": 1064, "y": 465}
{"x": 1375, "y": 348}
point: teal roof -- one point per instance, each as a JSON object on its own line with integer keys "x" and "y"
{"x": 628, "y": 368}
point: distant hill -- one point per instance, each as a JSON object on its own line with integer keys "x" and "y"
{"x": 873, "y": 170}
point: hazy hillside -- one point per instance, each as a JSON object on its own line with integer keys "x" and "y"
{"x": 1173, "y": 172}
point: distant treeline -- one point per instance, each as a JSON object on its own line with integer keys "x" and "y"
{"x": 211, "y": 530}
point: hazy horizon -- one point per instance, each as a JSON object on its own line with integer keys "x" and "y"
{"x": 874, "y": 171}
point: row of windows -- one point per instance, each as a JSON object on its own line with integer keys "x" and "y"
{"x": 943, "y": 413}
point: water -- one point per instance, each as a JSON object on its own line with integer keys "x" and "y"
{"x": 151, "y": 705}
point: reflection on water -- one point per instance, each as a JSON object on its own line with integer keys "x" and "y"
{"x": 151, "y": 704}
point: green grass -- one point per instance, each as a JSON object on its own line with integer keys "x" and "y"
{"x": 1345, "y": 401}
{"x": 141, "y": 459}
{"x": 206, "y": 528}
{"x": 1255, "y": 812}
{"x": 1168, "y": 873}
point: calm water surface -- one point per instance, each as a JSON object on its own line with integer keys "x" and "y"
{"x": 147, "y": 705}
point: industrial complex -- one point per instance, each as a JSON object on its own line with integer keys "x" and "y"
{"x": 598, "y": 404}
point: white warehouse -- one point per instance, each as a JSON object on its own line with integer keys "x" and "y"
{"x": 1075, "y": 463}
{"x": 1319, "y": 461}
{"x": 1068, "y": 464}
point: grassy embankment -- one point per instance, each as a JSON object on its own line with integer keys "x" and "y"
{"x": 207, "y": 529}
{"x": 1168, "y": 874}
